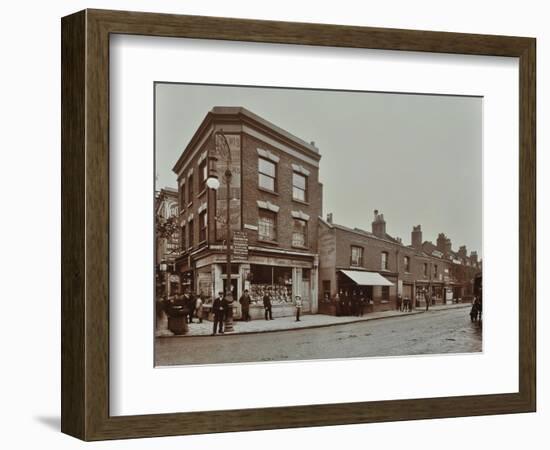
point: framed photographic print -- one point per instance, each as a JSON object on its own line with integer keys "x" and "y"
{"x": 273, "y": 225}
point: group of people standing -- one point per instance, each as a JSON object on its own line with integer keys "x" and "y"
{"x": 351, "y": 304}
{"x": 403, "y": 303}
{"x": 192, "y": 306}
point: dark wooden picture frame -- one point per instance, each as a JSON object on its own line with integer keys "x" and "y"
{"x": 85, "y": 224}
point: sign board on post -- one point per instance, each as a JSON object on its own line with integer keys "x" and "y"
{"x": 240, "y": 244}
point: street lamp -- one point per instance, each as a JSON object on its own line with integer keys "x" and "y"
{"x": 163, "y": 266}
{"x": 214, "y": 183}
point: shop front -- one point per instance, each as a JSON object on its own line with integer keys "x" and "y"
{"x": 282, "y": 284}
{"x": 368, "y": 288}
{"x": 457, "y": 293}
{"x": 186, "y": 279}
{"x": 282, "y": 279}
{"x": 167, "y": 282}
{"x": 448, "y": 295}
{"x": 438, "y": 294}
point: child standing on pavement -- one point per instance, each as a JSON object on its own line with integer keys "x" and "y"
{"x": 298, "y": 304}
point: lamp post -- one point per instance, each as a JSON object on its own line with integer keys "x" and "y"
{"x": 213, "y": 183}
{"x": 164, "y": 269}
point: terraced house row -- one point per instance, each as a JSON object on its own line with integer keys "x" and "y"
{"x": 281, "y": 244}
{"x": 374, "y": 265}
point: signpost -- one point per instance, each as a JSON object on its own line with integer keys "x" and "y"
{"x": 240, "y": 245}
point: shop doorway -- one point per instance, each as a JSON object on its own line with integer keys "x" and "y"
{"x": 408, "y": 291}
{"x": 457, "y": 294}
{"x": 234, "y": 287}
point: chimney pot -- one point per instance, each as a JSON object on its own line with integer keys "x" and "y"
{"x": 378, "y": 225}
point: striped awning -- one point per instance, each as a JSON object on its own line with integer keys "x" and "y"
{"x": 363, "y": 278}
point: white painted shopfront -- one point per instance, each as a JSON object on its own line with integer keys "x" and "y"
{"x": 282, "y": 278}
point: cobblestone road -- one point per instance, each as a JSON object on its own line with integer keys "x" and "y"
{"x": 443, "y": 331}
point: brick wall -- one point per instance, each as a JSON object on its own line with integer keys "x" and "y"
{"x": 327, "y": 258}
{"x": 191, "y": 205}
{"x": 372, "y": 249}
{"x": 282, "y": 197}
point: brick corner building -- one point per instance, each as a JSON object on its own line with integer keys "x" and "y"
{"x": 275, "y": 204}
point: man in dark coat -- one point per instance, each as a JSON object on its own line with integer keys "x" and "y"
{"x": 267, "y": 306}
{"x": 245, "y": 306}
{"x": 341, "y": 304}
{"x": 354, "y": 308}
{"x": 362, "y": 301}
{"x": 475, "y": 310}
{"x": 191, "y": 300}
{"x": 428, "y": 299}
{"x": 347, "y": 307}
{"x": 407, "y": 304}
{"x": 219, "y": 308}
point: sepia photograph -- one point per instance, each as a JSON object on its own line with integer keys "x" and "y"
{"x": 300, "y": 224}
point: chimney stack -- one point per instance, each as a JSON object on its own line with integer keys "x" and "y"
{"x": 379, "y": 225}
{"x": 440, "y": 243}
{"x": 444, "y": 244}
{"x": 462, "y": 252}
{"x": 329, "y": 218}
{"x": 473, "y": 257}
{"x": 416, "y": 236}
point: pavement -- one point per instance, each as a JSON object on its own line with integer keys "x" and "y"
{"x": 289, "y": 323}
{"x": 437, "y": 331}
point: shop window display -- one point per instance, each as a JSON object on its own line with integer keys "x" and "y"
{"x": 276, "y": 281}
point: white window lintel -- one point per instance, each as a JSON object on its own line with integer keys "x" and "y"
{"x": 300, "y": 169}
{"x": 268, "y": 155}
{"x": 268, "y": 205}
{"x": 300, "y": 215}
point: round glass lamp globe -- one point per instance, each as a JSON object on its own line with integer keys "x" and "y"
{"x": 213, "y": 183}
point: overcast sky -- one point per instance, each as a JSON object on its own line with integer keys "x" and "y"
{"x": 415, "y": 158}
